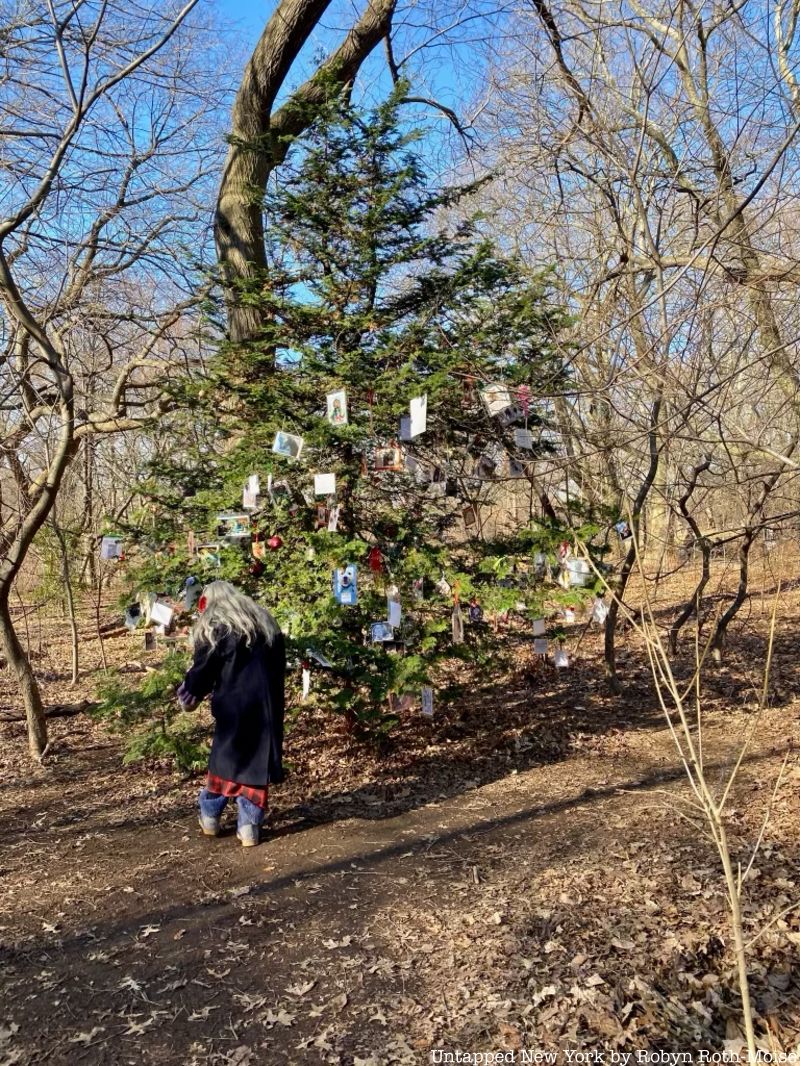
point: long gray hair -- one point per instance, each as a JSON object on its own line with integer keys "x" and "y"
{"x": 230, "y": 611}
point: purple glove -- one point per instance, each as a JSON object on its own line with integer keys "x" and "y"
{"x": 187, "y": 701}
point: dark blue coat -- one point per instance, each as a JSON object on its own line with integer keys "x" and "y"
{"x": 246, "y": 685}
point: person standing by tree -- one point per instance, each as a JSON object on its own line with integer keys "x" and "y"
{"x": 240, "y": 661}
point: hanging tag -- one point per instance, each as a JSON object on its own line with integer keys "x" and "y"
{"x": 395, "y": 613}
{"x": 333, "y": 518}
{"x": 427, "y": 701}
{"x": 561, "y": 659}
{"x": 458, "y": 624}
{"x": 306, "y": 682}
{"x": 599, "y": 611}
{"x": 539, "y": 627}
{"x": 418, "y": 415}
{"x": 540, "y": 646}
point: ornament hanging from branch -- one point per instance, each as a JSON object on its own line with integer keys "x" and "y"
{"x": 337, "y": 408}
{"x": 325, "y": 484}
{"x": 418, "y": 414}
{"x": 288, "y": 445}
{"x": 427, "y": 701}
{"x": 345, "y": 585}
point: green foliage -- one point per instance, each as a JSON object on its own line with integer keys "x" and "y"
{"x": 372, "y": 288}
{"x": 151, "y": 719}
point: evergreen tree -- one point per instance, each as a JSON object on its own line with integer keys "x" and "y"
{"x": 374, "y": 291}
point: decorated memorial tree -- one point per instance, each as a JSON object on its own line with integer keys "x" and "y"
{"x": 347, "y": 468}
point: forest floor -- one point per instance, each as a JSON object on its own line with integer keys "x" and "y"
{"x": 519, "y": 873}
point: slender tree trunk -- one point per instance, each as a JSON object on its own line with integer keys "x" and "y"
{"x": 720, "y": 632}
{"x": 29, "y": 690}
{"x": 692, "y": 605}
{"x": 69, "y": 597}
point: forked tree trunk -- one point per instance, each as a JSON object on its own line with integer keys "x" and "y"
{"x": 29, "y": 690}
{"x": 260, "y": 138}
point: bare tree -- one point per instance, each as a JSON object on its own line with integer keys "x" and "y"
{"x": 106, "y": 118}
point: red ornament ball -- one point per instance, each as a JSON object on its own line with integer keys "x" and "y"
{"x": 275, "y": 542}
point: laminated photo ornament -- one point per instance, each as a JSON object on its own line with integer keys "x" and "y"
{"x": 388, "y": 457}
{"x": 523, "y": 438}
{"x": 288, "y": 445}
{"x": 623, "y": 529}
{"x": 599, "y": 611}
{"x": 381, "y": 632}
{"x": 470, "y": 516}
{"x": 111, "y": 548}
{"x": 427, "y": 701}
{"x": 233, "y": 527}
{"x": 510, "y": 415}
{"x": 337, "y": 408}
{"x": 345, "y": 585}
{"x": 405, "y": 430}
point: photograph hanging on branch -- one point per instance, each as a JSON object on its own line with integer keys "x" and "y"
{"x": 510, "y": 415}
{"x": 333, "y": 518}
{"x": 288, "y": 445}
{"x": 381, "y": 632}
{"x": 395, "y": 613}
{"x": 388, "y": 457}
{"x": 111, "y": 548}
{"x": 233, "y": 527}
{"x": 345, "y": 585}
{"x": 540, "y": 646}
{"x": 516, "y": 468}
{"x": 523, "y": 438}
{"x": 337, "y": 408}
{"x": 405, "y": 431}
{"x": 208, "y": 554}
{"x": 470, "y": 516}
{"x": 623, "y": 529}
{"x": 249, "y": 499}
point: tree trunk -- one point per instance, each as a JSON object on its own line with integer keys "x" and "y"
{"x": 70, "y": 599}
{"x": 28, "y": 687}
{"x": 260, "y": 138}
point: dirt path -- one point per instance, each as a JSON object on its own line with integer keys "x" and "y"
{"x": 559, "y": 906}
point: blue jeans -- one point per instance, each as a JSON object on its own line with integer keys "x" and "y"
{"x": 212, "y": 805}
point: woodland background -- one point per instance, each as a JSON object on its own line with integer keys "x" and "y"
{"x": 640, "y": 161}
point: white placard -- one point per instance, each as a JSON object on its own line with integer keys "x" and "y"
{"x": 306, "y": 683}
{"x": 395, "y": 613}
{"x": 523, "y": 438}
{"x": 161, "y": 613}
{"x": 418, "y": 411}
{"x": 405, "y": 429}
{"x": 539, "y": 627}
{"x": 599, "y": 611}
{"x": 427, "y": 701}
{"x": 333, "y": 518}
{"x": 561, "y": 659}
{"x": 540, "y": 646}
{"x": 254, "y": 484}
{"x": 249, "y": 500}
{"x": 324, "y": 484}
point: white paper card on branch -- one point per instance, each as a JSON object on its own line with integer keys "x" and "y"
{"x": 395, "y": 613}
{"x": 427, "y": 701}
{"x": 405, "y": 430}
{"x": 333, "y": 518}
{"x": 561, "y": 659}
{"x": 496, "y": 398}
{"x": 418, "y": 411}
{"x": 249, "y": 500}
{"x": 306, "y": 683}
{"x": 523, "y": 438}
{"x": 569, "y": 615}
{"x": 539, "y": 627}
{"x": 254, "y": 484}
{"x": 324, "y": 484}
{"x": 599, "y": 611}
{"x": 161, "y": 613}
{"x": 540, "y": 646}
{"x": 337, "y": 408}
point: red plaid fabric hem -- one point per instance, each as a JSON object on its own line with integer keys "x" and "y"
{"x": 259, "y": 796}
